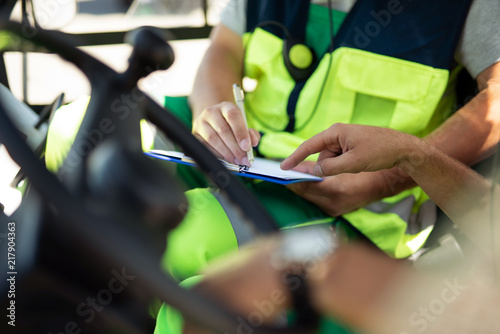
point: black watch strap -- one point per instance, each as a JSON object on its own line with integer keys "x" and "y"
{"x": 306, "y": 316}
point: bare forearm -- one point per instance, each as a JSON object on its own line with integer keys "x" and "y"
{"x": 459, "y": 191}
{"x": 217, "y": 121}
{"x": 220, "y": 69}
{"x": 213, "y": 85}
{"x": 473, "y": 132}
{"x": 469, "y": 136}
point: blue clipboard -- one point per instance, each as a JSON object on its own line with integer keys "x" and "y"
{"x": 269, "y": 174}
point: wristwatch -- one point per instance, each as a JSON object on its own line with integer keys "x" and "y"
{"x": 304, "y": 246}
{"x": 300, "y": 248}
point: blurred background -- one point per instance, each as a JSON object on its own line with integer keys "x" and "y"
{"x": 101, "y": 26}
{"x": 48, "y": 75}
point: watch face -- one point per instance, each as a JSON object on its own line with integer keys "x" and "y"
{"x": 307, "y": 244}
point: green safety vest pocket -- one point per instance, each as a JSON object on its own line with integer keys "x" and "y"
{"x": 384, "y": 91}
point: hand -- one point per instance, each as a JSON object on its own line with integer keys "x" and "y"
{"x": 350, "y": 148}
{"x": 340, "y": 194}
{"x": 222, "y": 129}
{"x": 354, "y": 285}
{"x": 351, "y": 284}
{"x": 247, "y": 283}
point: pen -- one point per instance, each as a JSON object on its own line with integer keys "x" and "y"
{"x": 240, "y": 99}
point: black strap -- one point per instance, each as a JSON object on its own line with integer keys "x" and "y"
{"x": 3, "y": 72}
{"x": 306, "y": 316}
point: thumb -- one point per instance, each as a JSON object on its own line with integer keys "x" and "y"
{"x": 335, "y": 165}
{"x": 305, "y": 167}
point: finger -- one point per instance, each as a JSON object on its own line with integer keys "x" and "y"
{"x": 234, "y": 118}
{"x": 318, "y": 170}
{"x": 305, "y": 167}
{"x": 207, "y": 145}
{"x": 306, "y": 190}
{"x": 299, "y": 188}
{"x": 214, "y": 141}
{"x": 316, "y": 144}
{"x": 326, "y": 154}
{"x": 254, "y": 136}
{"x": 312, "y": 192}
{"x": 344, "y": 163}
{"x": 219, "y": 123}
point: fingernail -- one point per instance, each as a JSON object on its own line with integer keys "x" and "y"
{"x": 245, "y": 145}
{"x": 245, "y": 161}
{"x": 318, "y": 171}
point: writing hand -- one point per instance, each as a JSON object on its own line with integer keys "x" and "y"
{"x": 222, "y": 128}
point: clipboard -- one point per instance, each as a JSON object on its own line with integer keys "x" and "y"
{"x": 263, "y": 169}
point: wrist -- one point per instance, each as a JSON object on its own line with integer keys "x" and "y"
{"x": 353, "y": 284}
{"x": 300, "y": 247}
{"x": 298, "y": 250}
{"x": 412, "y": 151}
{"x": 194, "y": 106}
{"x": 408, "y": 152}
{"x": 393, "y": 181}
